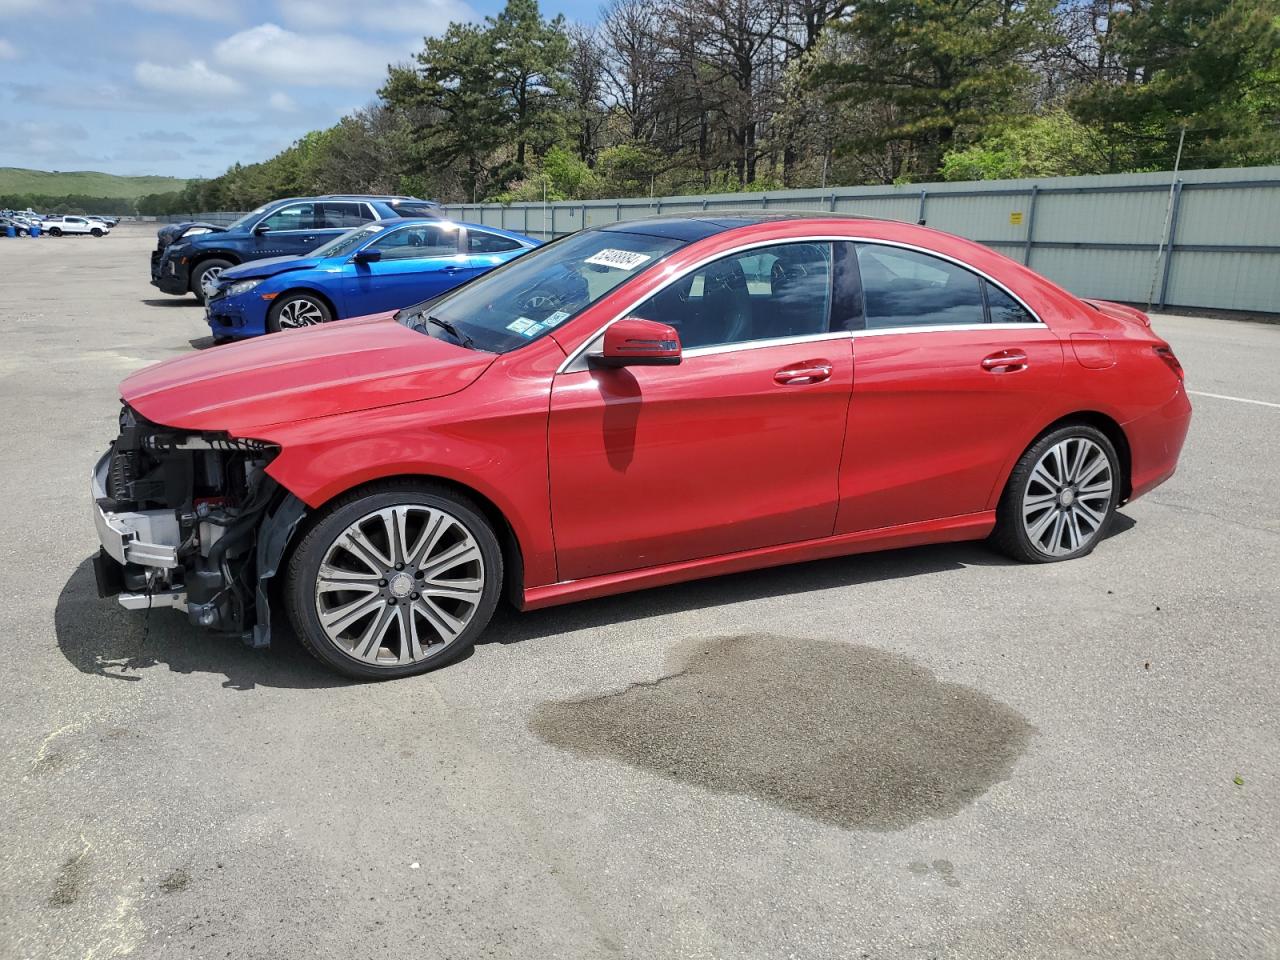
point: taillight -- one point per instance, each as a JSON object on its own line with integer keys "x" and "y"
{"x": 1170, "y": 361}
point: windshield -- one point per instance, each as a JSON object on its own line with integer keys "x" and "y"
{"x": 252, "y": 214}
{"x": 528, "y": 297}
{"x": 340, "y": 246}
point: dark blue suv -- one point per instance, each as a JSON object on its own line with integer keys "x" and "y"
{"x": 189, "y": 256}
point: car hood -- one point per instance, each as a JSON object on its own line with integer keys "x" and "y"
{"x": 300, "y": 375}
{"x": 270, "y": 267}
{"x": 173, "y": 232}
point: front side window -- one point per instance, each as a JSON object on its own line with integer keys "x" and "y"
{"x": 293, "y": 216}
{"x": 761, "y": 294}
{"x": 416, "y": 242}
{"x": 906, "y": 288}
{"x": 343, "y": 245}
{"x": 538, "y": 291}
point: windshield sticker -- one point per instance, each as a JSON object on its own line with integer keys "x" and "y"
{"x": 619, "y": 259}
{"x": 533, "y": 331}
{"x": 560, "y": 316}
{"x": 521, "y": 324}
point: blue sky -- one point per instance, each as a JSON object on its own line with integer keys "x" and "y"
{"x": 188, "y": 87}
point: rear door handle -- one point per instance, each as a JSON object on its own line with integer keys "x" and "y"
{"x": 811, "y": 371}
{"x": 1005, "y": 361}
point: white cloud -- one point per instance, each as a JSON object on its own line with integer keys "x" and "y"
{"x": 410, "y": 17}
{"x": 313, "y": 60}
{"x": 194, "y": 78}
{"x": 7, "y": 50}
{"x": 282, "y": 102}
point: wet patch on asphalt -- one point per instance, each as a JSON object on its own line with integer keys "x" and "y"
{"x": 848, "y": 735}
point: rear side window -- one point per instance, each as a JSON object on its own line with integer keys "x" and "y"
{"x": 411, "y": 208}
{"x": 480, "y": 242}
{"x": 342, "y": 215}
{"x": 906, "y": 288}
{"x": 1003, "y": 308}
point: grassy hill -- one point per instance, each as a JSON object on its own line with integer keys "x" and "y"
{"x": 86, "y": 183}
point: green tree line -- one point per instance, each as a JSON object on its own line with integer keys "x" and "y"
{"x": 71, "y": 203}
{"x": 684, "y": 96}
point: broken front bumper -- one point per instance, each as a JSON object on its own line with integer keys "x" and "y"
{"x": 146, "y": 539}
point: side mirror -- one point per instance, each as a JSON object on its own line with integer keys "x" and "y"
{"x": 367, "y": 256}
{"x": 634, "y": 342}
{"x": 261, "y": 228}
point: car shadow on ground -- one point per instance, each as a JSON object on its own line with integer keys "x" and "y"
{"x": 203, "y": 343}
{"x": 173, "y": 302}
{"x": 101, "y": 638}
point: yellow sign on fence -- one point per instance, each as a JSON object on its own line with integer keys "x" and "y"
{"x": 1015, "y": 218}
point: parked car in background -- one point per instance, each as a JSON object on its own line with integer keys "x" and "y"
{"x": 63, "y": 226}
{"x": 20, "y": 227}
{"x": 109, "y": 221}
{"x": 188, "y": 257}
{"x": 377, "y": 268}
{"x": 631, "y": 406}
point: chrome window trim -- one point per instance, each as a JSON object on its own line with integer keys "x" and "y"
{"x": 571, "y": 365}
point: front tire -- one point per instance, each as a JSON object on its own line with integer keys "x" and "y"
{"x": 1060, "y": 497}
{"x": 97, "y": 232}
{"x": 394, "y": 580}
{"x": 206, "y": 275}
{"x": 296, "y": 310}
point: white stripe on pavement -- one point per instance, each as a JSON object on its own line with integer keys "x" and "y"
{"x": 1221, "y": 396}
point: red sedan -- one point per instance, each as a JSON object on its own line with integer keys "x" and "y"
{"x": 627, "y": 407}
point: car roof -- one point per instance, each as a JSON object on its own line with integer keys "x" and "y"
{"x": 699, "y": 226}
{"x": 397, "y": 221}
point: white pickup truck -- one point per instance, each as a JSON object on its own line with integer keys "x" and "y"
{"x": 60, "y": 226}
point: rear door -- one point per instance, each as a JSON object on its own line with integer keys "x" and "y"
{"x": 950, "y": 372}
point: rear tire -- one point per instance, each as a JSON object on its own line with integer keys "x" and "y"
{"x": 393, "y": 580}
{"x": 1060, "y": 497}
{"x": 205, "y": 272}
{"x": 55, "y": 231}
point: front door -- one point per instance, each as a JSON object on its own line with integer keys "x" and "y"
{"x": 736, "y": 448}
{"x": 948, "y": 369}
{"x": 418, "y": 262}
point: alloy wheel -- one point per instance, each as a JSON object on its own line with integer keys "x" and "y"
{"x": 300, "y": 313}
{"x": 399, "y": 585}
{"x": 209, "y": 281}
{"x": 1068, "y": 496}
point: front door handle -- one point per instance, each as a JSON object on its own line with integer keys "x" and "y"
{"x": 811, "y": 371}
{"x": 1005, "y": 361}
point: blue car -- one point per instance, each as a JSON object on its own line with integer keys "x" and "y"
{"x": 189, "y": 256}
{"x": 373, "y": 269}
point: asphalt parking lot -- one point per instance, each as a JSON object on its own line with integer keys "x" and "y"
{"x": 931, "y": 753}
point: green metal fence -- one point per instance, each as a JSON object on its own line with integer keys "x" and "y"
{"x": 1205, "y": 238}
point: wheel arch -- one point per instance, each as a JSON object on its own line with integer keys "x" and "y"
{"x": 204, "y": 255}
{"x": 1108, "y": 425}
{"x": 508, "y": 539}
{"x": 312, "y": 291}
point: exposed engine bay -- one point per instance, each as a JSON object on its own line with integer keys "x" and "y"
{"x": 181, "y": 517}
